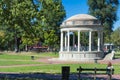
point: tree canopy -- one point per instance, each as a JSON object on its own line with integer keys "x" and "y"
{"x": 105, "y": 11}
{"x": 28, "y": 21}
{"x": 115, "y": 37}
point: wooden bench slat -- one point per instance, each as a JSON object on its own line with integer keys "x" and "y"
{"x": 92, "y": 69}
{"x": 96, "y": 71}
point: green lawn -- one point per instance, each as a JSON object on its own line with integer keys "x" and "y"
{"x": 12, "y": 62}
{"x": 55, "y": 68}
{"x": 25, "y": 55}
{"x": 117, "y": 54}
{"x": 20, "y": 59}
{"x": 16, "y": 59}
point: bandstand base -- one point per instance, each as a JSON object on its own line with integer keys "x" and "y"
{"x": 80, "y": 56}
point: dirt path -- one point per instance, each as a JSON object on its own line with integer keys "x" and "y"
{"x": 57, "y": 61}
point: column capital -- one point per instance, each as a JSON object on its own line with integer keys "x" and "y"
{"x": 90, "y": 30}
{"x": 61, "y": 31}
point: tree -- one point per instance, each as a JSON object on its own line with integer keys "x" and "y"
{"x": 115, "y": 36}
{"x": 16, "y": 16}
{"x": 52, "y": 14}
{"x": 29, "y": 20}
{"x": 105, "y": 11}
{"x": 51, "y": 39}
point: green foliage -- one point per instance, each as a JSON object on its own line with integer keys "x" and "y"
{"x": 16, "y": 16}
{"x": 27, "y": 22}
{"x": 115, "y": 36}
{"x": 105, "y": 11}
{"x": 50, "y": 38}
{"x": 29, "y": 41}
{"x": 52, "y": 15}
{"x": 2, "y": 35}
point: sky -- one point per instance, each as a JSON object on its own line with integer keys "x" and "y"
{"x": 74, "y": 7}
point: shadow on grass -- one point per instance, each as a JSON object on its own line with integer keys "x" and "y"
{"x": 95, "y": 77}
{"x": 47, "y": 76}
{"x": 29, "y": 76}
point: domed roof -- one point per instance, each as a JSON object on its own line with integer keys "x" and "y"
{"x": 81, "y": 17}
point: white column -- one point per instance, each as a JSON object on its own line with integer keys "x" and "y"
{"x": 92, "y": 47}
{"x": 65, "y": 40}
{"x": 90, "y": 33}
{"x": 68, "y": 33}
{"x": 98, "y": 41}
{"x": 73, "y": 39}
{"x": 101, "y": 40}
{"x": 78, "y": 41}
{"x": 61, "y": 41}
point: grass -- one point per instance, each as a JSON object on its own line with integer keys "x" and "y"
{"x": 55, "y": 68}
{"x": 10, "y": 60}
{"x": 117, "y": 54}
{"x": 26, "y": 55}
{"x": 22, "y": 58}
{"x": 49, "y": 68}
{"x": 16, "y": 59}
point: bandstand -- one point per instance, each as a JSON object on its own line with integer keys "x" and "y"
{"x": 72, "y": 30}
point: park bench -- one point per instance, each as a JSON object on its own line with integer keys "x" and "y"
{"x": 96, "y": 71}
{"x": 40, "y": 49}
